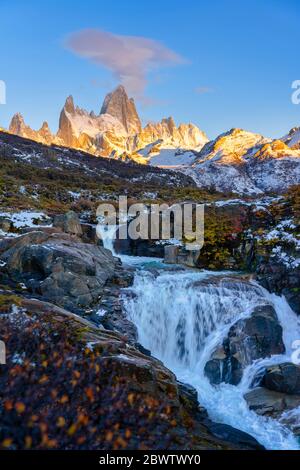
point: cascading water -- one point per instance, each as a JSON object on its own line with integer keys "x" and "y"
{"x": 182, "y": 323}
{"x": 107, "y": 234}
{"x": 182, "y": 316}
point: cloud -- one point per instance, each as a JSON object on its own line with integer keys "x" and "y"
{"x": 129, "y": 58}
{"x": 201, "y": 90}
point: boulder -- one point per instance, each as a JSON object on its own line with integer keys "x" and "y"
{"x": 89, "y": 234}
{"x": 255, "y": 337}
{"x": 139, "y": 247}
{"x": 69, "y": 223}
{"x": 228, "y": 433}
{"x": 171, "y": 254}
{"x": 60, "y": 268}
{"x": 284, "y": 378}
{"x": 5, "y": 224}
{"x": 281, "y": 279}
{"x": 269, "y": 403}
{"x": 292, "y": 294}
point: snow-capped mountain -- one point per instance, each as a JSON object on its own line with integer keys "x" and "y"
{"x": 116, "y": 132}
{"x": 83, "y": 130}
{"x": 118, "y": 105}
{"x": 292, "y": 139}
{"x": 245, "y": 163}
{"x": 236, "y": 161}
{"x": 164, "y": 144}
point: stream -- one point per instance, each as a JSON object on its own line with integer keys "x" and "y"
{"x": 182, "y": 315}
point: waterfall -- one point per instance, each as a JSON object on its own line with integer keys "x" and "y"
{"x": 107, "y": 234}
{"x": 183, "y": 316}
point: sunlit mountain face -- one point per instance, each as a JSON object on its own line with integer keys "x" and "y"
{"x": 239, "y": 161}
{"x": 116, "y": 132}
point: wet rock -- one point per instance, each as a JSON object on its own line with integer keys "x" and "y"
{"x": 292, "y": 295}
{"x": 147, "y": 248}
{"x": 171, "y": 254}
{"x": 115, "y": 319}
{"x": 69, "y": 223}
{"x": 284, "y": 378}
{"x": 269, "y": 403}
{"x": 89, "y": 234}
{"x": 219, "y": 369}
{"x": 189, "y": 395}
{"x": 255, "y": 337}
{"x": 281, "y": 279}
{"x": 228, "y": 433}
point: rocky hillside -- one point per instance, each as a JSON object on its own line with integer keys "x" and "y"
{"x": 61, "y": 159}
{"x": 116, "y": 131}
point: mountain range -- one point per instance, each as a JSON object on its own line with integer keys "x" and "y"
{"x": 236, "y": 161}
{"x": 115, "y": 132}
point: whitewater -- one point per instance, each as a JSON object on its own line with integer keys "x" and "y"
{"x": 182, "y": 316}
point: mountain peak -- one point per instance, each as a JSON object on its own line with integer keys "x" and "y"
{"x": 45, "y": 126}
{"x": 120, "y": 89}
{"x": 69, "y": 105}
{"x": 292, "y": 139}
{"x": 118, "y": 105}
{"x": 17, "y": 124}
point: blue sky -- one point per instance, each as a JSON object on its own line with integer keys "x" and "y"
{"x": 242, "y": 56}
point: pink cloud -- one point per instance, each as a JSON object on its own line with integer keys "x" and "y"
{"x": 129, "y": 58}
{"x": 200, "y": 90}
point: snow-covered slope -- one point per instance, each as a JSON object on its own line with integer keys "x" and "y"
{"x": 68, "y": 161}
{"x": 274, "y": 167}
{"x": 245, "y": 163}
{"x": 292, "y": 139}
{"x": 172, "y": 158}
{"x": 164, "y": 144}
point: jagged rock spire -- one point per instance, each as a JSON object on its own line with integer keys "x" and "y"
{"x": 17, "y": 124}
{"x": 69, "y": 105}
{"x": 118, "y": 105}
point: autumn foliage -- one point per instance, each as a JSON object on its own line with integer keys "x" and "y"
{"x": 57, "y": 393}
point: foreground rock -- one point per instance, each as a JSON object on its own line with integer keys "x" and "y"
{"x": 69, "y": 223}
{"x": 284, "y": 378}
{"x": 276, "y": 405}
{"x": 256, "y": 337}
{"x": 281, "y": 279}
{"x": 269, "y": 403}
{"x": 59, "y": 267}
